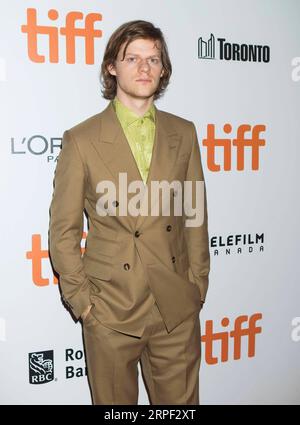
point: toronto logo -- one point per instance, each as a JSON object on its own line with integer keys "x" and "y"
{"x": 232, "y": 51}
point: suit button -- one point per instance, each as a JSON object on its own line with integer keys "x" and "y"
{"x": 137, "y": 234}
{"x": 173, "y": 259}
{"x": 169, "y": 227}
{"x": 115, "y": 203}
{"x": 126, "y": 266}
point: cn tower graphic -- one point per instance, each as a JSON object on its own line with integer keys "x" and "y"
{"x": 206, "y": 49}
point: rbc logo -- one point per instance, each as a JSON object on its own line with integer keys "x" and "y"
{"x": 41, "y": 367}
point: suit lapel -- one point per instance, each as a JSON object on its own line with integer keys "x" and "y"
{"x": 113, "y": 147}
{"x": 116, "y": 153}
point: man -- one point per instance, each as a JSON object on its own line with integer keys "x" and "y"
{"x": 142, "y": 280}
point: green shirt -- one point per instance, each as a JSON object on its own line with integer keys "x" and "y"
{"x": 140, "y": 132}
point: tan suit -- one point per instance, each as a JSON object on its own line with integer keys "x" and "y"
{"x": 129, "y": 262}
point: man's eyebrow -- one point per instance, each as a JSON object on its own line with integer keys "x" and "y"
{"x": 135, "y": 54}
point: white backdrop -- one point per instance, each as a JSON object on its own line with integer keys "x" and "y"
{"x": 254, "y": 282}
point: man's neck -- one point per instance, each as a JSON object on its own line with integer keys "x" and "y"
{"x": 138, "y": 106}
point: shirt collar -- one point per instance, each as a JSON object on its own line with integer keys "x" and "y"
{"x": 127, "y": 116}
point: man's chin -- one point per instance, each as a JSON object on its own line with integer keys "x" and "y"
{"x": 142, "y": 94}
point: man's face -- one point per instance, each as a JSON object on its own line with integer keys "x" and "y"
{"x": 138, "y": 75}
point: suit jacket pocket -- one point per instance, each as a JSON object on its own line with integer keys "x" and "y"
{"x": 100, "y": 268}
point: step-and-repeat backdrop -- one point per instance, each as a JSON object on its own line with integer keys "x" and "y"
{"x": 236, "y": 75}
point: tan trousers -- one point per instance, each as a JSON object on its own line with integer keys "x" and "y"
{"x": 170, "y": 362}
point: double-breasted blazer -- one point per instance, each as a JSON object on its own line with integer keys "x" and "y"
{"x": 128, "y": 261}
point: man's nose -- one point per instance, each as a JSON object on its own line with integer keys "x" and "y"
{"x": 144, "y": 65}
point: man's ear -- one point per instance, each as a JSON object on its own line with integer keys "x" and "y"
{"x": 111, "y": 69}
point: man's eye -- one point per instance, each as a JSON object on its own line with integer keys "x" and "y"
{"x": 130, "y": 59}
{"x": 155, "y": 60}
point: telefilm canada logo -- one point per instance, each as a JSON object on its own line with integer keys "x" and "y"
{"x": 41, "y": 367}
{"x": 220, "y": 48}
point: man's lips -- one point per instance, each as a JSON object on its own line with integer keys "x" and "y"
{"x": 143, "y": 81}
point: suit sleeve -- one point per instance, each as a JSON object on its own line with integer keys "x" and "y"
{"x": 196, "y": 236}
{"x": 66, "y": 226}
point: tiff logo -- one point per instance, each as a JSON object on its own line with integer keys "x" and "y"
{"x": 37, "y": 255}
{"x": 244, "y": 328}
{"x": 253, "y": 142}
{"x": 70, "y": 32}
